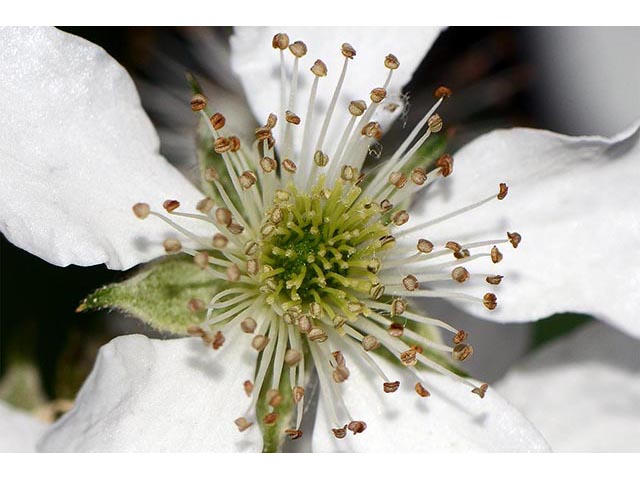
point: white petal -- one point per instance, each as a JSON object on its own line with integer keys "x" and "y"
{"x": 257, "y": 65}
{"x": 76, "y": 152}
{"x": 582, "y": 391}
{"x": 452, "y": 419}
{"x": 19, "y": 432}
{"x": 573, "y": 199}
{"x": 161, "y": 396}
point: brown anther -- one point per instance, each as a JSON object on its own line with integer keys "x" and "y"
{"x": 172, "y": 245}
{"x": 195, "y": 331}
{"x": 424, "y": 246}
{"x": 235, "y": 228}
{"x": 272, "y": 120}
{"x": 218, "y": 340}
{"x": 419, "y": 176}
{"x": 370, "y": 343}
{"x": 435, "y": 123}
{"x": 503, "y": 191}
{"x": 400, "y": 218}
{"x": 252, "y": 266}
{"x": 390, "y": 387}
{"x": 270, "y": 419}
{"x": 223, "y": 216}
{"x": 496, "y": 255}
{"x": 338, "y": 357}
{"x": 481, "y": 390}
{"x": 219, "y": 241}
{"x": 514, "y": 238}
{"x": 248, "y": 387}
{"x": 201, "y": 259}
{"x": 317, "y": 334}
{"x": 357, "y": 107}
{"x": 248, "y": 325}
{"x": 205, "y": 205}
{"x": 259, "y": 342}
{"x": 320, "y": 158}
{"x": 398, "y": 306}
{"x": 442, "y": 92}
{"x": 292, "y": 118}
{"x": 376, "y": 291}
{"x": 453, "y": 246}
{"x": 263, "y": 133}
{"x": 289, "y": 165}
{"x": 280, "y": 40}
{"x": 348, "y": 51}
{"x": 340, "y": 374}
{"x": 268, "y": 164}
{"x": 251, "y": 248}
{"x": 357, "y": 426}
{"x": 298, "y": 393}
{"x": 298, "y": 48}
{"x": 293, "y": 434}
{"x": 395, "y": 329}
{"x": 462, "y": 351}
{"x": 377, "y": 95}
{"x": 292, "y": 357}
{"x": 391, "y": 62}
{"x": 235, "y": 143}
{"x": 420, "y": 390}
{"x": 233, "y": 273}
{"x": 408, "y": 357}
{"x": 141, "y": 210}
{"x": 348, "y": 173}
{"x": 374, "y": 265}
{"x": 445, "y": 164}
{"x": 315, "y": 309}
{"x": 304, "y": 324}
{"x": 242, "y": 423}
{"x": 460, "y": 337}
{"x": 372, "y": 130}
{"x": 198, "y": 102}
{"x": 217, "y": 121}
{"x": 410, "y": 282}
{"x": 247, "y": 180}
{"x": 339, "y": 432}
{"x": 464, "y": 253}
{"x": 460, "y": 274}
{"x": 387, "y": 241}
{"x": 494, "y": 279}
{"x": 490, "y": 301}
{"x": 222, "y": 145}
{"x": 417, "y": 348}
{"x": 273, "y": 397}
{"x": 211, "y": 174}
{"x": 398, "y": 179}
{"x": 355, "y": 307}
{"x": 319, "y": 68}
{"x": 386, "y": 205}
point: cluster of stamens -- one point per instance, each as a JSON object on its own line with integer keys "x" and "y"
{"x": 313, "y": 261}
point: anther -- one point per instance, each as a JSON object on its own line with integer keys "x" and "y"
{"x": 315, "y": 309}
{"x": 463, "y": 253}
{"x": 410, "y": 282}
{"x": 338, "y": 357}
{"x": 219, "y": 241}
{"x": 395, "y": 329}
{"x": 453, "y": 246}
{"x": 319, "y": 68}
{"x": 390, "y": 387}
{"x": 298, "y": 48}
{"x": 270, "y": 419}
{"x": 223, "y": 216}
{"x": 201, "y": 259}
{"x": 292, "y": 118}
{"x": 481, "y": 390}
{"x": 419, "y": 176}
{"x": 268, "y": 164}
{"x": 442, "y": 92}
{"x": 242, "y": 423}
{"x": 293, "y": 434}
{"x": 398, "y": 306}
{"x": 357, "y": 107}
{"x": 376, "y": 291}
{"x": 248, "y": 325}
{"x": 304, "y": 324}
{"x": 259, "y": 342}
{"x": 248, "y": 179}
{"x": 320, "y": 158}
{"x": 398, "y": 179}
{"x": 252, "y": 266}
{"x": 348, "y": 173}
{"x": 211, "y": 174}
{"x": 496, "y": 255}
{"x": 289, "y": 165}
{"x": 172, "y": 245}
{"x": 263, "y": 133}
{"x": 205, "y": 205}
{"x": 292, "y": 357}
{"x": 233, "y": 273}
{"x": 377, "y": 95}
{"x": 195, "y": 331}
{"x": 460, "y": 337}
{"x": 503, "y": 191}
{"x": 298, "y": 393}
{"x": 235, "y": 143}
{"x": 235, "y": 228}
{"x": 409, "y": 357}
{"x": 218, "y": 340}
{"x": 198, "y": 102}
{"x": 462, "y": 351}
{"x": 217, "y": 121}
{"x": 339, "y": 432}
{"x": 340, "y": 374}
{"x": 370, "y": 343}
{"x": 424, "y": 246}
{"x": 490, "y": 301}
{"x": 445, "y": 163}
{"x": 494, "y": 279}
{"x": 170, "y": 205}
{"x": 317, "y": 334}
{"x": 385, "y": 205}
{"x": 420, "y": 390}
{"x": 514, "y": 238}
{"x": 273, "y": 397}
{"x": 251, "y": 248}
{"x": 400, "y": 218}
{"x": 460, "y": 274}
{"x": 141, "y": 210}
{"x": 391, "y": 62}
{"x": 272, "y": 120}
{"x": 280, "y": 40}
{"x": 248, "y": 387}
{"x": 387, "y": 241}
{"x": 357, "y": 426}
{"x": 348, "y": 51}
{"x": 372, "y": 130}
{"x": 222, "y": 145}
{"x": 435, "y": 123}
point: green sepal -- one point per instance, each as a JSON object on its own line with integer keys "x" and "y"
{"x": 159, "y": 294}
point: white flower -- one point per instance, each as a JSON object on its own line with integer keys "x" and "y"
{"x": 78, "y": 149}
